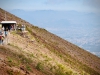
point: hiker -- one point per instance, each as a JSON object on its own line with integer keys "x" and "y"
{"x": 6, "y": 32}
{"x": 17, "y": 27}
{"x": 1, "y": 37}
{"x": 22, "y": 28}
{"x": 0, "y": 40}
{"x": 3, "y": 28}
{"x": 9, "y": 27}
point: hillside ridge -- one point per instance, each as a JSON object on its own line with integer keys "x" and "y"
{"x": 44, "y": 53}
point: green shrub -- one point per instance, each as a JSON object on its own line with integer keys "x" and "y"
{"x": 10, "y": 60}
{"x": 39, "y": 66}
{"x": 28, "y": 68}
{"x": 62, "y": 70}
{"x": 24, "y": 59}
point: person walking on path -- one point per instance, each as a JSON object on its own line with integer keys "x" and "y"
{"x": 6, "y": 32}
{"x": 1, "y": 37}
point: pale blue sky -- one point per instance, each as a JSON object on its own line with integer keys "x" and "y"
{"x": 77, "y": 5}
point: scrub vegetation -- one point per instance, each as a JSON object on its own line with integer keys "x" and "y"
{"x": 40, "y": 52}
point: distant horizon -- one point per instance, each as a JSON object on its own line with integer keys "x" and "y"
{"x": 77, "y": 5}
{"x": 78, "y": 21}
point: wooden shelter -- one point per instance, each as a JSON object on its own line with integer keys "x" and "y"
{"x": 8, "y": 25}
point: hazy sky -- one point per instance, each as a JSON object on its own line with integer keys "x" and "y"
{"x": 77, "y": 5}
{"x": 85, "y": 34}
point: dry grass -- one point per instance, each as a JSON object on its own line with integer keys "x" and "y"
{"x": 48, "y": 53}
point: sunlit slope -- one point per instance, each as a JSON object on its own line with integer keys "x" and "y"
{"x": 45, "y": 53}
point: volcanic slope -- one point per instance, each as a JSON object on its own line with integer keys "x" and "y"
{"x": 39, "y": 52}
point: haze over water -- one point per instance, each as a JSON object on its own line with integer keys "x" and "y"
{"x": 77, "y": 21}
